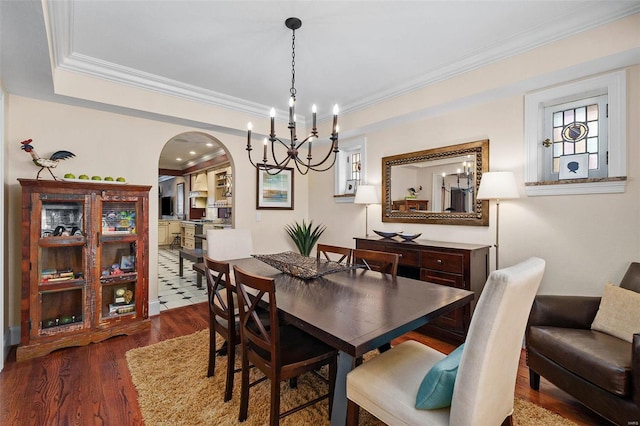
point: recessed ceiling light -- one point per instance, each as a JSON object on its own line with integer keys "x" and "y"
{"x": 192, "y": 152}
{"x": 209, "y": 144}
{"x": 178, "y": 159}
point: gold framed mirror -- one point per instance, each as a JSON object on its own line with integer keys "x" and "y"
{"x": 436, "y": 186}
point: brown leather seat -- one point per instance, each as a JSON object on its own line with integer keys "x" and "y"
{"x": 280, "y": 351}
{"x": 600, "y": 370}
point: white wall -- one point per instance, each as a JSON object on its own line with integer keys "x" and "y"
{"x": 586, "y": 240}
{"x": 120, "y": 145}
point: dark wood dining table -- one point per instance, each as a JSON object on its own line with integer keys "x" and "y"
{"x": 355, "y": 311}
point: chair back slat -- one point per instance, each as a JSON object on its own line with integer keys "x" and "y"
{"x": 220, "y": 297}
{"x": 254, "y": 291}
{"x": 323, "y": 251}
{"x": 380, "y": 261}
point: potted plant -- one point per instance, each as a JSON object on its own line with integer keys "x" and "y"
{"x": 305, "y": 236}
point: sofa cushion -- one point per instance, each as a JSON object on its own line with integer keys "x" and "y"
{"x": 619, "y": 313}
{"x": 600, "y": 358}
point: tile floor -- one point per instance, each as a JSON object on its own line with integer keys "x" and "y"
{"x": 175, "y": 291}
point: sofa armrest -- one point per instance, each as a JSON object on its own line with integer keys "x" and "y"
{"x": 635, "y": 367}
{"x": 564, "y": 311}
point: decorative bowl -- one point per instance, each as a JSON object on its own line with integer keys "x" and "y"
{"x": 409, "y": 237}
{"x": 385, "y": 234}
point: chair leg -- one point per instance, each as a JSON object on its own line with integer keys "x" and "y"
{"x": 508, "y": 421}
{"x": 293, "y": 383}
{"x": 333, "y": 371}
{"x": 212, "y": 352}
{"x": 244, "y": 387}
{"x": 274, "y": 414}
{"x": 231, "y": 357}
{"x": 534, "y": 380}
{"x": 385, "y": 347}
{"x": 353, "y": 413}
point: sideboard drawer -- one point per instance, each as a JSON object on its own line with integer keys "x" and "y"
{"x": 440, "y": 261}
{"x": 409, "y": 257}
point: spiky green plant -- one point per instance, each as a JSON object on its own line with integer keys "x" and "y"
{"x": 305, "y": 236}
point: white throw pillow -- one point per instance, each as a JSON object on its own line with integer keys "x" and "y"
{"x": 619, "y": 313}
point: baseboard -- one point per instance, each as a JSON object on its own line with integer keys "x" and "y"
{"x": 154, "y": 308}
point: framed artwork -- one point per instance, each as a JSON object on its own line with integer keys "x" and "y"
{"x": 574, "y": 166}
{"x": 274, "y": 191}
{"x": 127, "y": 263}
{"x": 352, "y": 184}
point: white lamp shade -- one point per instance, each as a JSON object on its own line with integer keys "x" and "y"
{"x": 366, "y": 194}
{"x": 498, "y": 186}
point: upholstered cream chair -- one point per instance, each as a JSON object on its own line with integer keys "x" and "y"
{"x": 227, "y": 244}
{"x": 387, "y": 385}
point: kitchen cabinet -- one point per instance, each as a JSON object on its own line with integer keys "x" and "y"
{"x": 167, "y": 230}
{"x": 457, "y": 265}
{"x": 84, "y": 263}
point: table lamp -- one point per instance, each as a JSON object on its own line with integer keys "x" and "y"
{"x": 498, "y": 186}
{"x": 366, "y": 194}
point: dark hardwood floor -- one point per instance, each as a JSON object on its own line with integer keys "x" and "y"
{"x": 90, "y": 385}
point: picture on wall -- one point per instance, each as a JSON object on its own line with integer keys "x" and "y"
{"x": 352, "y": 184}
{"x": 275, "y": 191}
{"x": 574, "y": 166}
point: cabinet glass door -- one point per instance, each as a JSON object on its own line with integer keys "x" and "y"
{"x": 59, "y": 299}
{"x": 118, "y": 254}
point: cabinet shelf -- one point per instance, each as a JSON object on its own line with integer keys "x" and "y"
{"x": 119, "y": 279}
{"x": 48, "y": 286}
{"x": 62, "y": 241}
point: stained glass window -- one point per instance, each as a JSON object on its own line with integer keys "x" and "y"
{"x": 356, "y": 166}
{"x": 577, "y": 128}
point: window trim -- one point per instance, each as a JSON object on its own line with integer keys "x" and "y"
{"x": 340, "y": 181}
{"x": 614, "y": 84}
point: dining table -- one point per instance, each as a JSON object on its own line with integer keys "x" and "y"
{"x": 354, "y": 311}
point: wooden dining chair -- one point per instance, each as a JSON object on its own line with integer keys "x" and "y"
{"x": 323, "y": 251}
{"x": 227, "y": 244}
{"x": 223, "y": 319}
{"x": 374, "y": 260}
{"x": 280, "y": 351}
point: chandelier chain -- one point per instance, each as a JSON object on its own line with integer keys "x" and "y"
{"x": 293, "y": 65}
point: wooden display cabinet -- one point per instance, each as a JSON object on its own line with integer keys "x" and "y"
{"x": 84, "y": 263}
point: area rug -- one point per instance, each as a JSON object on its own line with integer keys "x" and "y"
{"x": 173, "y": 389}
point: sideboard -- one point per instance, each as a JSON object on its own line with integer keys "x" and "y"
{"x": 457, "y": 265}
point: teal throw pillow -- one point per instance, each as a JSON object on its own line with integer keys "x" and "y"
{"x": 436, "y": 389}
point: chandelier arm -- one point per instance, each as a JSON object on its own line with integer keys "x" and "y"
{"x": 332, "y": 149}
{"x": 316, "y": 169}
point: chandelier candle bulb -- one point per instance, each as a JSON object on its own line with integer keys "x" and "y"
{"x": 272, "y": 114}
{"x": 264, "y": 156}
{"x": 249, "y": 127}
{"x": 335, "y": 117}
{"x": 291, "y": 114}
{"x": 314, "y": 111}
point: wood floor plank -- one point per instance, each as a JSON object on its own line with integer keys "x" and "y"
{"x": 91, "y": 385}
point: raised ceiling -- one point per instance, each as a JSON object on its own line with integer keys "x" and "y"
{"x": 238, "y": 53}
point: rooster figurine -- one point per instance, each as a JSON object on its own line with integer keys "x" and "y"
{"x": 45, "y": 163}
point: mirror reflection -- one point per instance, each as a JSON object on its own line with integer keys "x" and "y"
{"x": 436, "y": 186}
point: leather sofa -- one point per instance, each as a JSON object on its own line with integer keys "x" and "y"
{"x": 599, "y": 370}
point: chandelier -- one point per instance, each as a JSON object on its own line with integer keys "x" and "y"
{"x": 274, "y": 165}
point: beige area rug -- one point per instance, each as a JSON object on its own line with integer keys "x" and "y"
{"x": 173, "y": 389}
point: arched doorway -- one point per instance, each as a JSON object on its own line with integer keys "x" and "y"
{"x": 195, "y": 193}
